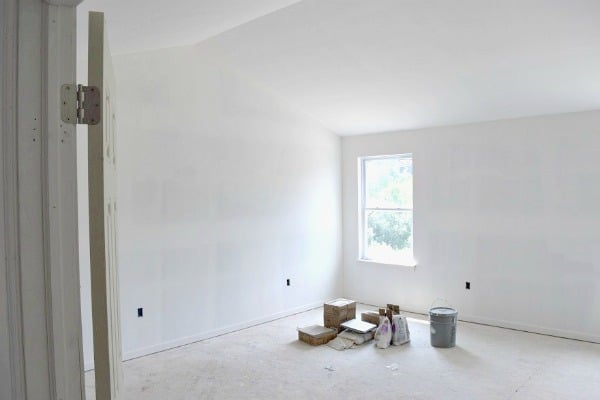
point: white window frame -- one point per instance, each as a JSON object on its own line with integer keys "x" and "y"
{"x": 363, "y": 210}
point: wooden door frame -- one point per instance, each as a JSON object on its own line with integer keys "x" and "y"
{"x": 12, "y": 385}
{"x": 40, "y": 267}
{"x": 103, "y": 211}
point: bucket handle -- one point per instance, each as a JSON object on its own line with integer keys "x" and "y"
{"x": 446, "y": 303}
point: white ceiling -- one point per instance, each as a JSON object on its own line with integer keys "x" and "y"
{"x": 137, "y": 25}
{"x": 364, "y": 66}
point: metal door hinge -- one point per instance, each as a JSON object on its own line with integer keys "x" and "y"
{"x": 80, "y": 104}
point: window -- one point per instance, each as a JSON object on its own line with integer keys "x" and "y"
{"x": 386, "y": 214}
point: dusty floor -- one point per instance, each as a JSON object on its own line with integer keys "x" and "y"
{"x": 267, "y": 362}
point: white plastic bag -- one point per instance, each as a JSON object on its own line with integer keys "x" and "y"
{"x": 383, "y": 335}
{"x": 400, "y": 332}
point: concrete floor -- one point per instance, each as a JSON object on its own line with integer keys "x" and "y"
{"x": 267, "y": 362}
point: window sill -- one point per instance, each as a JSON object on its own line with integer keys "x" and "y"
{"x": 407, "y": 264}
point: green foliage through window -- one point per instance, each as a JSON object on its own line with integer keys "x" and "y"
{"x": 387, "y": 208}
{"x": 393, "y": 229}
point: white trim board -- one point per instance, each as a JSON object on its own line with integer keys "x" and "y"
{"x": 559, "y": 333}
{"x": 159, "y": 347}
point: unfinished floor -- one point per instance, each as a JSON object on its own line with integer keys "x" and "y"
{"x": 267, "y": 362}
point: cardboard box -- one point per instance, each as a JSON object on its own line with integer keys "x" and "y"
{"x": 394, "y": 307}
{"x": 370, "y": 317}
{"x": 316, "y": 335}
{"x": 338, "y": 311}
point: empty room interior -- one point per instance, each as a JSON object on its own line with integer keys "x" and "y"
{"x": 327, "y": 199}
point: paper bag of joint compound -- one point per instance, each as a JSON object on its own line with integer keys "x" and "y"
{"x": 383, "y": 334}
{"x": 400, "y": 332}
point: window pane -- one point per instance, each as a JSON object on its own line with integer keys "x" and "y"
{"x": 388, "y": 183}
{"x": 389, "y": 236}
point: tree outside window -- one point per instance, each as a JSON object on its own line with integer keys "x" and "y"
{"x": 387, "y": 209}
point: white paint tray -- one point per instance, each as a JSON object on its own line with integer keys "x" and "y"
{"x": 358, "y": 326}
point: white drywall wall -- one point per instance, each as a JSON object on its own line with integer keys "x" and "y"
{"x": 224, "y": 193}
{"x": 512, "y": 206}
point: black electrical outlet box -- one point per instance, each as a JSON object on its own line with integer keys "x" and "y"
{"x": 140, "y": 312}
{"x": 288, "y": 282}
{"x": 468, "y": 285}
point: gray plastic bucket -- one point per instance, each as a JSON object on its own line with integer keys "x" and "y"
{"x": 442, "y": 322}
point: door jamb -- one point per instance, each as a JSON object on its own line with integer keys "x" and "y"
{"x": 38, "y": 183}
{"x": 8, "y": 185}
{"x": 59, "y": 179}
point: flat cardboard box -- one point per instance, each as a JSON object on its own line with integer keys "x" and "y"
{"x": 316, "y": 335}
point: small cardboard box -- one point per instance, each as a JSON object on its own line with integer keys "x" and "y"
{"x": 395, "y": 308}
{"x": 371, "y": 317}
{"x": 338, "y": 311}
{"x": 316, "y": 335}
